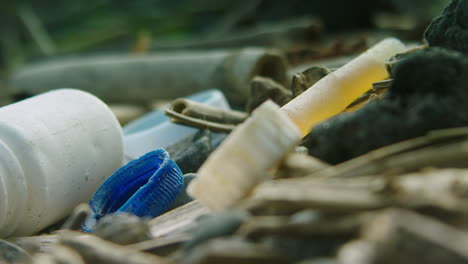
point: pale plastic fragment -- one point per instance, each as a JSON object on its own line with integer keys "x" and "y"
{"x": 333, "y": 93}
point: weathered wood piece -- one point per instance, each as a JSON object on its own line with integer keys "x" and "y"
{"x": 95, "y": 250}
{"x": 319, "y": 225}
{"x": 299, "y": 165}
{"x": 191, "y": 113}
{"x": 404, "y": 237}
{"x": 177, "y": 221}
{"x": 231, "y": 251}
{"x": 291, "y": 195}
{"x": 206, "y": 112}
{"x": 303, "y": 80}
{"x": 142, "y": 79}
{"x": 262, "y": 89}
{"x": 443, "y": 148}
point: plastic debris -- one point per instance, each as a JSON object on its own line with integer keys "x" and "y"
{"x": 380, "y": 176}
{"x": 154, "y": 130}
{"x": 144, "y": 187}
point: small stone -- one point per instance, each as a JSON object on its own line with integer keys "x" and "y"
{"x": 122, "y": 229}
{"x": 190, "y": 152}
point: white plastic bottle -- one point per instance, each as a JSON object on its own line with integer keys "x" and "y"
{"x": 55, "y": 150}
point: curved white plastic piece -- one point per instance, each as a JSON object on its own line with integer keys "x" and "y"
{"x": 55, "y": 150}
{"x": 154, "y": 130}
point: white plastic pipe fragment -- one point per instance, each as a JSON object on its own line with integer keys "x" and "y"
{"x": 256, "y": 146}
{"x": 55, "y": 150}
{"x": 247, "y": 154}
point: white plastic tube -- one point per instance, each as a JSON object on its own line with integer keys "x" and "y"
{"x": 55, "y": 150}
{"x": 334, "y": 92}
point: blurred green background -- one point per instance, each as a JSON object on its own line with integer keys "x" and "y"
{"x": 32, "y": 29}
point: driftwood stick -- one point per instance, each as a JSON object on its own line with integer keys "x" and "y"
{"x": 195, "y": 122}
{"x": 95, "y": 250}
{"x": 158, "y": 76}
{"x": 292, "y": 195}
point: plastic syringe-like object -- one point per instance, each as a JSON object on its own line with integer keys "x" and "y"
{"x": 256, "y": 146}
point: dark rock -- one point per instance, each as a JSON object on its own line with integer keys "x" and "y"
{"x": 190, "y": 152}
{"x": 450, "y": 29}
{"x": 434, "y": 70}
{"x": 428, "y": 93}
